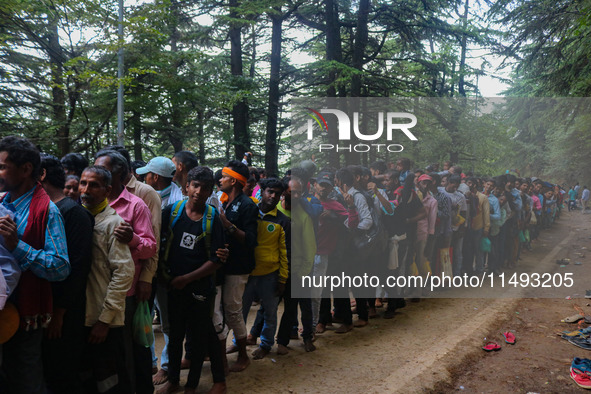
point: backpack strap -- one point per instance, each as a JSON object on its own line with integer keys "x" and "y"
{"x": 174, "y": 217}
{"x": 210, "y": 212}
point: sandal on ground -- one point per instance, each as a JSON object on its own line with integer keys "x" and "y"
{"x": 509, "y": 337}
{"x": 491, "y": 347}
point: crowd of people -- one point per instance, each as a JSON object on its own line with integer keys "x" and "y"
{"x": 86, "y": 245}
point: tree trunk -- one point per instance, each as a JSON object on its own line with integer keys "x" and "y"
{"x": 201, "y": 135}
{"x": 361, "y": 37}
{"x": 271, "y": 145}
{"x": 461, "y": 90}
{"x": 240, "y": 109}
{"x": 136, "y": 124}
{"x": 334, "y": 52}
{"x": 57, "y": 81}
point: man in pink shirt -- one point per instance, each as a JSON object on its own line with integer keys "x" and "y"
{"x": 136, "y": 231}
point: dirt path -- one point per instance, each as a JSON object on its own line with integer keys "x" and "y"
{"x": 434, "y": 345}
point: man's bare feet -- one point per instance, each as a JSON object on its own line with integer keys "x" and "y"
{"x": 154, "y": 370}
{"x": 185, "y": 364}
{"x": 231, "y": 349}
{"x": 218, "y": 388}
{"x": 259, "y": 353}
{"x": 282, "y": 350}
{"x": 344, "y": 328}
{"x": 240, "y": 364}
{"x": 360, "y": 323}
{"x": 168, "y": 388}
{"x": 160, "y": 377}
{"x": 250, "y": 340}
{"x": 320, "y": 328}
{"x": 309, "y": 346}
{"x": 373, "y": 313}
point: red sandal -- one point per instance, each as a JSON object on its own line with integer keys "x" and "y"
{"x": 509, "y": 337}
{"x": 491, "y": 347}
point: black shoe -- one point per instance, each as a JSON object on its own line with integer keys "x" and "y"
{"x": 389, "y": 314}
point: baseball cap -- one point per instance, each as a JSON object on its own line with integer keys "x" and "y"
{"x": 325, "y": 177}
{"x": 425, "y": 177}
{"x": 160, "y": 165}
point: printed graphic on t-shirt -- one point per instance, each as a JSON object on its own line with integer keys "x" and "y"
{"x": 188, "y": 241}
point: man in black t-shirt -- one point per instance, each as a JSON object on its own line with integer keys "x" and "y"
{"x": 240, "y": 222}
{"x": 65, "y": 338}
{"x": 197, "y": 234}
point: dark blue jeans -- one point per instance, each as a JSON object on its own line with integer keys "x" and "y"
{"x": 265, "y": 287}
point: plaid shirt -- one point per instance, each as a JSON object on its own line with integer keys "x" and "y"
{"x": 52, "y": 262}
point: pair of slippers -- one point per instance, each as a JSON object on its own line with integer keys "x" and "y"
{"x": 493, "y": 346}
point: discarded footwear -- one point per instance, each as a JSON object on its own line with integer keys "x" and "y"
{"x": 572, "y": 319}
{"x": 509, "y": 337}
{"x": 583, "y": 343}
{"x": 588, "y": 294}
{"x": 582, "y": 379}
{"x": 582, "y": 364}
{"x": 491, "y": 347}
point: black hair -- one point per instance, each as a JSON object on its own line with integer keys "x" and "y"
{"x": 494, "y": 182}
{"x": 472, "y": 179}
{"x": 345, "y": 176}
{"x": 436, "y": 178}
{"x": 74, "y": 162}
{"x": 355, "y": 170}
{"x": 272, "y": 182}
{"x": 393, "y": 174}
{"x": 21, "y": 151}
{"x": 122, "y": 151}
{"x": 54, "y": 171}
{"x": 188, "y": 159}
{"x": 239, "y": 167}
{"x": 456, "y": 179}
{"x": 365, "y": 171}
{"x": 201, "y": 174}
{"x": 137, "y": 164}
{"x": 74, "y": 177}
{"x": 511, "y": 178}
{"x": 405, "y": 162}
{"x": 409, "y": 186}
{"x": 254, "y": 173}
{"x": 379, "y": 165}
{"x": 102, "y": 172}
{"x": 217, "y": 176}
{"x": 118, "y": 162}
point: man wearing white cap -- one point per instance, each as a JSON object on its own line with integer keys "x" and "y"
{"x": 159, "y": 173}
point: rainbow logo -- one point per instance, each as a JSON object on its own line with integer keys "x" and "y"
{"x": 316, "y": 115}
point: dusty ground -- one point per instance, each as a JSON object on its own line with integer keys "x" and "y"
{"x": 434, "y": 345}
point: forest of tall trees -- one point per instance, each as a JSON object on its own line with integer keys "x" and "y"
{"x": 218, "y": 77}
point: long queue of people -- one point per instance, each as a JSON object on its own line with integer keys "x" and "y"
{"x": 85, "y": 247}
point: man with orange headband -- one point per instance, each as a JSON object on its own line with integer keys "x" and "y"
{"x": 240, "y": 222}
